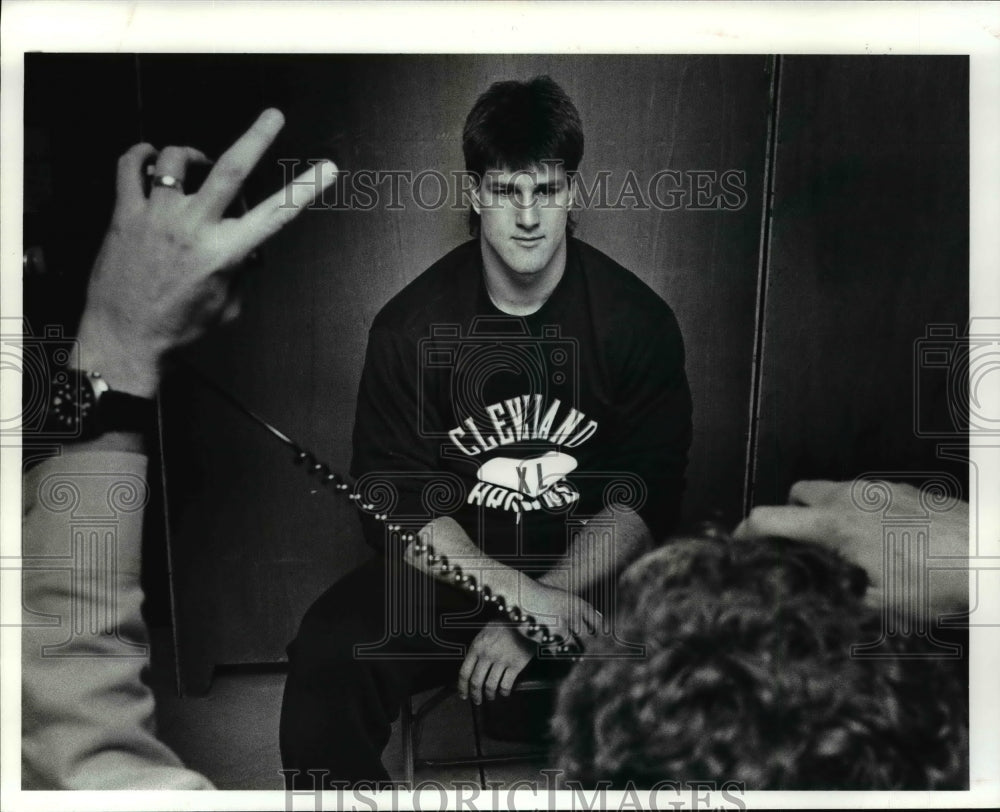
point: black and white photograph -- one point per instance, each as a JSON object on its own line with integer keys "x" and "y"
{"x": 469, "y": 422}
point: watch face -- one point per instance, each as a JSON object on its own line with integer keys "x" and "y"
{"x": 81, "y": 406}
{"x": 72, "y": 405}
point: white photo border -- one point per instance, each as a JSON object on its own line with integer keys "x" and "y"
{"x": 892, "y": 28}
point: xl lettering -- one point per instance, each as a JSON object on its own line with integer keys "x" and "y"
{"x": 522, "y": 479}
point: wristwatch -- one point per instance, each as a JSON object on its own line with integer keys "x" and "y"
{"x": 81, "y": 406}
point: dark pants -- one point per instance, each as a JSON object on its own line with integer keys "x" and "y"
{"x": 340, "y": 700}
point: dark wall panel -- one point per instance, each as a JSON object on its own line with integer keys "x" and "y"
{"x": 869, "y": 247}
{"x": 251, "y": 547}
{"x": 68, "y": 198}
{"x": 694, "y": 115}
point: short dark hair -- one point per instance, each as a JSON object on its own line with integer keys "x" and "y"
{"x": 518, "y": 125}
{"x": 748, "y": 677}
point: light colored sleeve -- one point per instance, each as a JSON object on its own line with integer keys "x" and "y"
{"x": 87, "y": 716}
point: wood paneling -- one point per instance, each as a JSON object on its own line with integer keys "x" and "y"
{"x": 869, "y": 246}
{"x": 72, "y": 140}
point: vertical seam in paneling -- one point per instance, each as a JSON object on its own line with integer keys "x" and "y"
{"x": 138, "y": 97}
{"x": 160, "y": 456}
{"x": 763, "y": 260}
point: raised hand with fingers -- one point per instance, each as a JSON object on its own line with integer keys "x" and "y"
{"x": 165, "y": 270}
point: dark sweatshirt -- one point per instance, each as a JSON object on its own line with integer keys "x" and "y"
{"x": 520, "y": 427}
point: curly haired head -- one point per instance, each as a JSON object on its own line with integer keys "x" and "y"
{"x": 748, "y": 676}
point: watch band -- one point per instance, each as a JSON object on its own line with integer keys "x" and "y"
{"x": 120, "y": 411}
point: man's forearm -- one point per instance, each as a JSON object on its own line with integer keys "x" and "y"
{"x": 604, "y": 546}
{"x": 110, "y": 441}
{"x": 447, "y": 538}
{"x": 542, "y": 609}
{"x": 88, "y": 725}
{"x": 600, "y": 550}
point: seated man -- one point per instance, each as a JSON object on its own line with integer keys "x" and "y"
{"x": 748, "y": 676}
{"x": 512, "y": 395}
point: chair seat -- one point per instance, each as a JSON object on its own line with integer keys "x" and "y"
{"x": 521, "y": 717}
{"x": 524, "y": 715}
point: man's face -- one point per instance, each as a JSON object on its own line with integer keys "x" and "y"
{"x": 523, "y": 216}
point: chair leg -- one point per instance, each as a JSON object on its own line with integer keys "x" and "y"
{"x": 412, "y": 727}
{"x": 407, "y": 735}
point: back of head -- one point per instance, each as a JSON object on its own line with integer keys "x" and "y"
{"x": 748, "y": 677}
